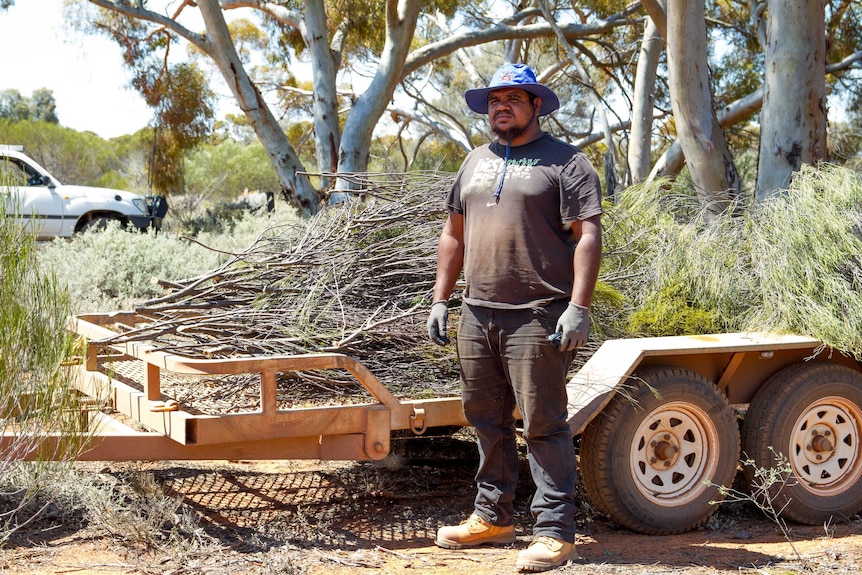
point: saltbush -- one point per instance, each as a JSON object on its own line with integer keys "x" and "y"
{"x": 112, "y": 269}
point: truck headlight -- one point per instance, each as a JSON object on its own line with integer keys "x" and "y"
{"x": 141, "y": 204}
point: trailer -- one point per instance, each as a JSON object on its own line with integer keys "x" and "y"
{"x": 662, "y": 424}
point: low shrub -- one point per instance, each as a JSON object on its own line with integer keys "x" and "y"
{"x": 112, "y": 269}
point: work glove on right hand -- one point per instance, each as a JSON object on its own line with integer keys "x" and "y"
{"x": 574, "y": 324}
{"x": 437, "y": 322}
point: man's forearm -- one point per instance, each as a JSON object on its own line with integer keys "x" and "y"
{"x": 450, "y": 257}
{"x": 587, "y": 261}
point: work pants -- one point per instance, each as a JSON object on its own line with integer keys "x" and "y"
{"x": 506, "y": 359}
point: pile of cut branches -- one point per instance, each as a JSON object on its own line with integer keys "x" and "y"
{"x": 355, "y": 279}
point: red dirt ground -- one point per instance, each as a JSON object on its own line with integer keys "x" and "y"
{"x": 335, "y": 518}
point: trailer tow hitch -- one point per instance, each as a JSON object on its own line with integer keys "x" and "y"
{"x": 417, "y": 421}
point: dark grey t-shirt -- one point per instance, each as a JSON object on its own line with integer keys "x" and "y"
{"x": 518, "y": 251}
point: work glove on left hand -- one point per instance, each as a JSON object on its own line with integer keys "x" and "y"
{"x": 574, "y": 324}
{"x": 437, "y": 322}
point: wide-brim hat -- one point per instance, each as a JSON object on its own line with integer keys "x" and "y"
{"x": 513, "y": 76}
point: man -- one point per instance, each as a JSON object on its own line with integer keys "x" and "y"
{"x": 524, "y": 224}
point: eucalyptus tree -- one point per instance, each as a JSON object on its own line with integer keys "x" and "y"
{"x": 361, "y": 34}
{"x": 417, "y": 57}
{"x": 39, "y": 107}
{"x": 713, "y": 171}
{"x": 750, "y": 33}
{"x": 643, "y": 95}
{"x": 793, "y": 122}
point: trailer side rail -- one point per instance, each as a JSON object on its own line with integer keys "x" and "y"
{"x": 355, "y": 431}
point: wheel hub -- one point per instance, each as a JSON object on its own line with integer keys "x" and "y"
{"x": 824, "y": 446}
{"x": 665, "y": 451}
{"x": 818, "y": 444}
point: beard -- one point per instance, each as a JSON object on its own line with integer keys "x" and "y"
{"x": 511, "y": 133}
{"x": 508, "y": 135}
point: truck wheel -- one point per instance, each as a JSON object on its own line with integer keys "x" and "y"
{"x": 811, "y": 416}
{"x": 654, "y": 458}
{"x": 99, "y": 223}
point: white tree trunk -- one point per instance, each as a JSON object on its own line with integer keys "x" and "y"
{"x": 709, "y": 160}
{"x": 640, "y": 139}
{"x": 657, "y": 12}
{"x": 324, "y": 69}
{"x": 512, "y": 48}
{"x": 793, "y": 121}
{"x": 220, "y": 47}
{"x": 612, "y": 180}
{"x": 673, "y": 160}
{"x": 401, "y": 17}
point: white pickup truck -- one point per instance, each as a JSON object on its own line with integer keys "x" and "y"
{"x": 52, "y": 209}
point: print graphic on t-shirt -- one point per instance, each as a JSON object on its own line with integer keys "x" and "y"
{"x": 486, "y": 175}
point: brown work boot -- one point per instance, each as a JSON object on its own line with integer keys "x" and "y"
{"x": 473, "y": 531}
{"x": 546, "y": 553}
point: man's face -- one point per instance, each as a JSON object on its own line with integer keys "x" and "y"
{"x": 510, "y": 112}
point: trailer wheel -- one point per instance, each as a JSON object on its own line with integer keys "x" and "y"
{"x": 810, "y": 414}
{"x": 654, "y": 459}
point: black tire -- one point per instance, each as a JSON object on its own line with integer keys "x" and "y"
{"x": 811, "y": 416}
{"x": 97, "y": 224}
{"x": 654, "y": 458}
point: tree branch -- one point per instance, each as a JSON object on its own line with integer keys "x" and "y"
{"x": 198, "y": 40}
{"x": 435, "y": 50}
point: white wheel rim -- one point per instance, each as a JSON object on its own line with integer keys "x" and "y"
{"x": 824, "y": 446}
{"x": 673, "y": 451}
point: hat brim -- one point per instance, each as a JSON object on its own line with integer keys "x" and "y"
{"x": 477, "y": 98}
